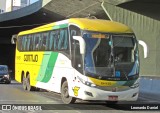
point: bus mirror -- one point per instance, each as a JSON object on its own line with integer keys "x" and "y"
{"x": 14, "y": 39}
{"x": 145, "y": 48}
{"x": 81, "y": 43}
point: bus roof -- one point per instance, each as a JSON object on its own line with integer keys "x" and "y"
{"x": 101, "y": 25}
{"x": 84, "y": 24}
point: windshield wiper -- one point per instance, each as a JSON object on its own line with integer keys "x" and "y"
{"x": 125, "y": 75}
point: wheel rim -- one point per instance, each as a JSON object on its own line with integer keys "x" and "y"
{"x": 24, "y": 83}
{"x": 66, "y": 98}
{"x": 28, "y": 83}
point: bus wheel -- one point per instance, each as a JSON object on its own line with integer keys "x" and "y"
{"x": 29, "y": 87}
{"x": 24, "y": 83}
{"x": 65, "y": 94}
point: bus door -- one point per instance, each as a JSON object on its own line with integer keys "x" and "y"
{"x": 76, "y": 57}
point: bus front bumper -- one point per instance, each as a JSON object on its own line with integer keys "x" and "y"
{"x": 91, "y": 93}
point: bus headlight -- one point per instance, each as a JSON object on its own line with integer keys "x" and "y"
{"x": 135, "y": 85}
{"x": 86, "y": 82}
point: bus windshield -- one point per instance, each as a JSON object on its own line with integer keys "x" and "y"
{"x": 124, "y": 48}
{"x": 104, "y": 51}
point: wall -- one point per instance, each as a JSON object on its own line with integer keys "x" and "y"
{"x": 146, "y": 29}
{"x": 2, "y": 6}
{"x": 8, "y": 6}
{"x": 5, "y": 5}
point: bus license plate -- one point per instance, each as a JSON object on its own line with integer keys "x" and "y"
{"x": 113, "y": 98}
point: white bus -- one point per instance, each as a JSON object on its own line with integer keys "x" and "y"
{"x": 88, "y": 59}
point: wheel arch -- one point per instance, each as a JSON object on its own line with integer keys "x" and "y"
{"x": 62, "y": 80}
{"x": 27, "y": 74}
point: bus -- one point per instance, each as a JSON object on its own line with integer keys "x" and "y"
{"x": 80, "y": 58}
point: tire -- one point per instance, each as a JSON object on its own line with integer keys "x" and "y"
{"x": 65, "y": 94}
{"x": 24, "y": 83}
{"x": 29, "y": 87}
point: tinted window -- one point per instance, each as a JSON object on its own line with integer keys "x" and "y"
{"x": 57, "y": 40}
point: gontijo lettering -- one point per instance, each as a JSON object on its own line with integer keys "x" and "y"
{"x": 30, "y": 58}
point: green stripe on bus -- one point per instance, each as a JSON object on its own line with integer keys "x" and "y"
{"x": 50, "y": 67}
{"x": 47, "y": 66}
{"x": 60, "y": 26}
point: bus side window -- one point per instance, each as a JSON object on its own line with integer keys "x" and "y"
{"x": 66, "y": 40}
{"x": 63, "y": 40}
{"x": 29, "y": 43}
{"x": 19, "y": 46}
{"x": 44, "y": 41}
{"x": 51, "y": 40}
{"x": 38, "y": 41}
{"x": 56, "y": 39}
{"x": 47, "y": 41}
{"x": 24, "y": 41}
{"x": 34, "y": 42}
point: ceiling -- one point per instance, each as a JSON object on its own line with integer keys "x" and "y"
{"x": 54, "y": 10}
